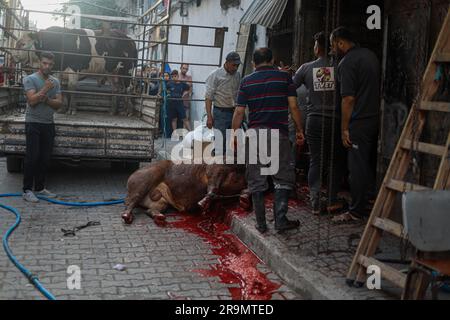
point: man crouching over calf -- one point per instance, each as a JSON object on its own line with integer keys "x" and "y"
{"x": 269, "y": 94}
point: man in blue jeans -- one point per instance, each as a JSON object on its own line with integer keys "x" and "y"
{"x": 221, "y": 90}
{"x": 43, "y": 99}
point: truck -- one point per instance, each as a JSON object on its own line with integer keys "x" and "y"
{"x": 92, "y": 134}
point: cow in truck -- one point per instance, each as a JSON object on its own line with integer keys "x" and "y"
{"x": 79, "y": 52}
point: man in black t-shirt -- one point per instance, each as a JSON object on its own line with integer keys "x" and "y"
{"x": 358, "y": 77}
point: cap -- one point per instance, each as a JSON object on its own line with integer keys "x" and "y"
{"x": 234, "y": 57}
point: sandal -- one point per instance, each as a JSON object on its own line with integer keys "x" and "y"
{"x": 346, "y": 218}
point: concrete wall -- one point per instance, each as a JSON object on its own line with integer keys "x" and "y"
{"x": 209, "y": 13}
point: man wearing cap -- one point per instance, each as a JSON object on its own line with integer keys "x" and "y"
{"x": 221, "y": 90}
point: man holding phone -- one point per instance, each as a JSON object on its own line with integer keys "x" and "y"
{"x": 43, "y": 93}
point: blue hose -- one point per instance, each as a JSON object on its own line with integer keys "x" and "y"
{"x": 31, "y": 277}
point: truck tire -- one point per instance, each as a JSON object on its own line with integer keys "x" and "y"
{"x": 14, "y": 164}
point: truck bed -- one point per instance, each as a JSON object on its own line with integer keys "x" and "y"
{"x": 86, "y": 135}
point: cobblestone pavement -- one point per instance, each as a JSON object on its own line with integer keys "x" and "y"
{"x": 161, "y": 262}
{"x": 323, "y": 248}
{"x": 324, "y": 251}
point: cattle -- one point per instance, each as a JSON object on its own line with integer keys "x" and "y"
{"x": 85, "y": 51}
{"x": 184, "y": 187}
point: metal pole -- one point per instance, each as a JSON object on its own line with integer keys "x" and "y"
{"x": 108, "y": 38}
{"x": 112, "y": 57}
{"x": 98, "y": 74}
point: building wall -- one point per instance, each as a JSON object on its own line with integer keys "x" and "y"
{"x": 409, "y": 47}
{"x": 209, "y": 13}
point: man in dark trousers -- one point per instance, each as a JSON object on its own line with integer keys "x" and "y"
{"x": 43, "y": 95}
{"x": 358, "y": 78}
{"x": 322, "y": 125}
{"x": 269, "y": 94}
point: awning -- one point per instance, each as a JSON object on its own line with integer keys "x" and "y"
{"x": 266, "y": 13}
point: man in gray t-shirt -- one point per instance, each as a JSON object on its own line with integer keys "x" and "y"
{"x": 319, "y": 78}
{"x": 43, "y": 95}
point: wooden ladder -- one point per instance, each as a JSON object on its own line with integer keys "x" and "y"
{"x": 394, "y": 183}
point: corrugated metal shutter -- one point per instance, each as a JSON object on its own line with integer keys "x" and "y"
{"x": 266, "y": 13}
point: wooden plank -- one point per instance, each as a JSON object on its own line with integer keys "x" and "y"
{"x": 443, "y": 175}
{"x": 15, "y": 148}
{"x": 150, "y": 103}
{"x": 428, "y": 84}
{"x": 390, "y": 226}
{"x": 130, "y": 154}
{"x": 113, "y": 147}
{"x": 76, "y": 142}
{"x": 435, "y": 106}
{"x": 442, "y": 57}
{"x": 78, "y": 152}
{"x": 401, "y": 186}
{"x": 149, "y": 112}
{"x": 150, "y": 120}
{"x": 389, "y": 273}
{"x": 424, "y": 148}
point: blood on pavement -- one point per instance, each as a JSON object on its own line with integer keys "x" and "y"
{"x": 237, "y": 264}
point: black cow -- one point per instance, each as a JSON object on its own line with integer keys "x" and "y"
{"x": 116, "y": 57}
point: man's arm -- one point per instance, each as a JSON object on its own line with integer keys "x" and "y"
{"x": 208, "y": 104}
{"x": 55, "y": 103}
{"x": 349, "y": 86}
{"x": 209, "y": 97}
{"x": 35, "y": 97}
{"x": 299, "y": 78}
{"x": 348, "y": 104}
{"x": 238, "y": 117}
{"x": 191, "y": 87}
{"x": 297, "y": 117}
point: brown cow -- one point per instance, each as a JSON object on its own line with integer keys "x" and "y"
{"x": 184, "y": 187}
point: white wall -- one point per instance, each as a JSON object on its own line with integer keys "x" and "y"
{"x": 211, "y": 14}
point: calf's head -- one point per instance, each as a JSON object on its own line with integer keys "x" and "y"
{"x": 26, "y": 50}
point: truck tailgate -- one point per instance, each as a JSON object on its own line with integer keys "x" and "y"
{"x": 86, "y": 135}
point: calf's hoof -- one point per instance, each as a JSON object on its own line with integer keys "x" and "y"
{"x": 159, "y": 219}
{"x": 127, "y": 217}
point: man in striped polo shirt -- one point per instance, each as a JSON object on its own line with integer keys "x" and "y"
{"x": 269, "y": 94}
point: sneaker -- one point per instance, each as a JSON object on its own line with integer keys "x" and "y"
{"x": 30, "y": 197}
{"x": 46, "y": 193}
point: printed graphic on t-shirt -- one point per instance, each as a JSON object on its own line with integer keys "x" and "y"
{"x": 323, "y": 79}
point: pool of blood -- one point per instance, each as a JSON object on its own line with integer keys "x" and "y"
{"x": 237, "y": 265}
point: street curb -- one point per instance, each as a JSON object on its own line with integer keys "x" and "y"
{"x": 310, "y": 284}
